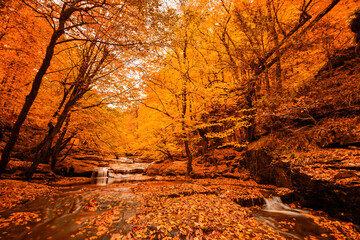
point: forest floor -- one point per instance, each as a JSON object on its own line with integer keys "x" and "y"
{"x": 15, "y": 192}
{"x": 224, "y": 209}
{"x": 220, "y": 208}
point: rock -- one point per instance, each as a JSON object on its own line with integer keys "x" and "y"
{"x": 266, "y": 170}
{"x": 87, "y": 157}
{"x": 76, "y": 168}
{"x": 129, "y": 171}
{"x": 344, "y": 174}
{"x": 168, "y": 168}
{"x": 322, "y": 184}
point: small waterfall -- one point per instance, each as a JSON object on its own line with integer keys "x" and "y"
{"x": 275, "y": 205}
{"x": 102, "y": 181}
{"x": 100, "y": 176}
{"x": 291, "y": 222}
{"x": 119, "y": 170}
{"x": 102, "y": 172}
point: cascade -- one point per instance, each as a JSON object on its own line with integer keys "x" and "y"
{"x": 291, "y": 222}
{"x": 275, "y": 205}
{"x": 103, "y": 176}
{"x": 102, "y": 172}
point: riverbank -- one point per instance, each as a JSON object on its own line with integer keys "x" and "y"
{"x": 322, "y": 179}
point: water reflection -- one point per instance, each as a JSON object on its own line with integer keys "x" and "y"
{"x": 102, "y": 181}
{"x": 73, "y": 214}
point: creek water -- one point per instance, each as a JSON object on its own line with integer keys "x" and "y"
{"x": 63, "y": 216}
{"x": 77, "y": 212}
{"x": 291, "y": 222}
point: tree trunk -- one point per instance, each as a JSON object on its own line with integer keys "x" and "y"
{"x": 30, "y": 98}
{"x": 278, "y": 79}
{"x": 28, "y": 103}
{"x": 189, "y": 157}
{"x": 275, "y": 36}
{"x": 184, "y": 134}
{"x": 44, "y": 153}
{"x": 59, "y": 146}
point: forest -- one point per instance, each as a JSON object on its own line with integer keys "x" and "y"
{"x": 205, "y": 111}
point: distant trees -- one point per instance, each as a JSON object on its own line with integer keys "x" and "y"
{"x": 235, "y": 57}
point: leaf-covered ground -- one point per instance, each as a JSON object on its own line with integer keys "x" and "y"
{"x": 207, "y": 209}
{"x": 191, "y": 209}
{"x": 15, "y": 192}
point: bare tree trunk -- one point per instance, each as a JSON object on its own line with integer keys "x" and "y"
{"x": 272, "y": 29}
{"x": 189, "y": 168}
{"x": 278, "y": 71}
{"x": 250, "y": 97}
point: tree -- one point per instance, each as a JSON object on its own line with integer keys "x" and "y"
{"x": 59, "y": 21}
{"x": 20, "y": 51}
{"x": 94, "y": 58}
{"x": 78, "y": 21}
{"x": 249, "y": 24}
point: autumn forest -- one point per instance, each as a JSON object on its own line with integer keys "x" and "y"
{"x": 174, "y": 119}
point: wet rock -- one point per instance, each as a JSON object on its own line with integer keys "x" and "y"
{"x": 249, "y": 202}
{"x": 129, "y": 171}
{"x": 324, "y": 183}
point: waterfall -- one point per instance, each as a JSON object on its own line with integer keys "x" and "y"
{"x": 100, "y": 176}
{"x": 102, "y": 172}
{"x": 275, "y": 205}
{"x": 291, "y": 222}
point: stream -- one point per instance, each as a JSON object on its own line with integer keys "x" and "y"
{"x": 298, "y": 223}
{"x": 63, "y": 216}
{"x": 78, "y": 212}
